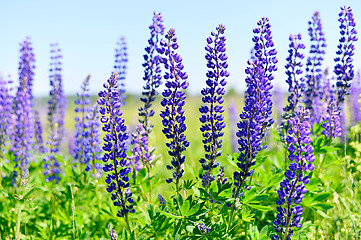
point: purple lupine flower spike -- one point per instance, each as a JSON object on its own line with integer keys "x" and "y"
{"x": 344, "y": 68}
{"x": 292, "y": 188}
{"x": 256, "y": 116}
{"x": 294, "y": 71}
{"x": 140, "y": 150}
{"x": 6, "y": 101}
{"x": 313, "y": 91}
{"x": 82, "y": 135}
{"x": 162, "y": 201}
{"x": 355, "y": 100}
{"x": 152, "y": 72}
{"x": 115, "y": 156}
{"x": 113, "y": 235}
{"x": 94, "y": 148}
{"x": 233, "y": 119}
{"x": 211, "y": 112}
{"x": 331, "y": 121}
{"x": 120, "y": 66}
{"x": 23, "y": 131}
{"x": 39, "y": 143}
{"x": 173, "y": 102}
{"x": 27, "y": 64}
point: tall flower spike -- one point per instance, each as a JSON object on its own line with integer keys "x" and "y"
{"x": 344, "y": 68}
{"x": 354, "y": 100}
{"x": 120, "y": 66}
{"x": 6, "y": 101}
{"x": 294, "y": 72}
{"x": 39, "y": 143}
{"x": 140, "y": 150}
{"x": 173, "y": 102}
{"x": 313, "y": 92}
{"x": 256, "y": 116}
{"x": 331, "y": 121}
{"x": 82, "y": 135}
{"x": 292, "y": 188}
{"x": 94, "y": 146}
{"x": 27, "y": 64}
{"x": 115, "y": 156}
{"x": 23, "y": 131}
{"x": 152, "y": 72}
{"x": 211, "y": 118}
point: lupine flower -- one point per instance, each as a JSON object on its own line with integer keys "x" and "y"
{"x": 354, "y": 100}
{"x": 203, "y": 228}
{"x": 173, "y": 102}
{"x": 211, "y": 112}
{"x": 233, "y": 119}
{"x": 140, "y": 151}
{"x": 81, "y": 151}
{"x": 152, "y": 72}
{"x": 292, "y": 188}
{"x": 27, "y": 64}
{"x": 120, "y": 66}
{"x": 6, "y": 100}
{"x": 294, "y": 71}
{"x": 221, "y": 179}
{"x": 113, "y": 235}
{"x": 56, "y": 112}
{"x": 344, "y": 69}
{"x": 313, "y": 92}
{"x": 39, "y": 143}
{"x": 162, "y": 201}
{"x": 94, "y": 147}
{"x": 23, "y": 131}
{"x": 331, "y": 121}
{"x": 256, "y": 116}
{"x": 115, "y": 156}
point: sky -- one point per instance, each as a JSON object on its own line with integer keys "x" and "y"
{"x": 87, "y": 32}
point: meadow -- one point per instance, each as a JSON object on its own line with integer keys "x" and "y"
{"x": 264, "y": 164}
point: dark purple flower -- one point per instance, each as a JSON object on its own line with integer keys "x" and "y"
{"x": 6, "y": 110}
{"x": 212, "y": 119}
{"x": 292, "y": 188}
{"x": 313, "y": 91}
{"x": 344, "y": 68}
{"x": 27, "y": 64}
{"x": 120, "y": 66}
{"x": 152, "y": 72}
{"x": 173, "y": 102}
{"x": 114, "y": 147}
{"x": 162, "y": 201}
{"x": 256, "y": 116}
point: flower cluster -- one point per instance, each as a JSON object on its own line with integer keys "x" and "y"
{"x": 344, "y": 68}
{"x": 27, "y": 64}
{"x": 113, "y": 235}
{"x": 256, "y": 116}
{"x": 211, "y": 112}
{"x": 292, "y": 188}
{"x": 38, "y": 133}
{"x": 354, "y": 99}
{"x": 162, "y": 201}
{"x": 115, "y": 156}
{"x": 140, "y": 151}
{"x": 152, "y": 72}
{"x": 331, "y": 121}
{"x": 120, "y": 66}
{"x": 23, "y": 130}
{"x": 173, "y": 102}
{"x": 203, "y": 228}
{"x": 313, "y": 91}
{"x": 94, "y": 147}
{"x": 6, "y": 100}
{"x": 294, "y": 72}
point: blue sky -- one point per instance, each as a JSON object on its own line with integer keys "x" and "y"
{"x": 87, "y": 32}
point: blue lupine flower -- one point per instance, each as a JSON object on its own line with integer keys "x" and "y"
{"x": 27, "y": 64}
{"x": 173, "y": 102}
{"x": 294, "y": 71}
{"x": 292, "y": 188}
{"x": 331, "y": 121}
{"x": 140, "y": 150}
{"x": 211, "y": 112}
{"x": 6, "y": 125}
{"x": 162, "y": 201}
{"x": 113, "y": 235}
{"x": 152, "y": 72}
{"x": 344, "y": 68}
{"x": 120, "y": 66}
{"x": 256, "y": 116}
{"x": 38, "y": 133}
{"x": 203, "y": 228}
{"x": 115, "y": 156}
{"x": 23, "y": 130}
{"x": 313, "y": 91}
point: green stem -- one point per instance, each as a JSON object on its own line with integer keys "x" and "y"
{"x": 18, "y": 223}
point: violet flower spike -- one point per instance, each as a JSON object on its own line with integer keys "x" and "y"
{"x": 115, "y": 149}
{"x": 344, "y": 68}
{"x": 27, "y": 64}
{"x": 6, "y": 125}
{"x": 313, "y": 90}
{"x": 292, "y": 188}
{"x": 94, "y": 147}
{"x": 141, "y": 155}
{"x": 354, "y": 100}
{"x": 38, "y": 133}
{"x": 120, "y": 66}
{"x": 152, "y": 72}
{"x": 211, "y": 112}
{"x": 256, "y": 116}
{"x": 173, "y": 102}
